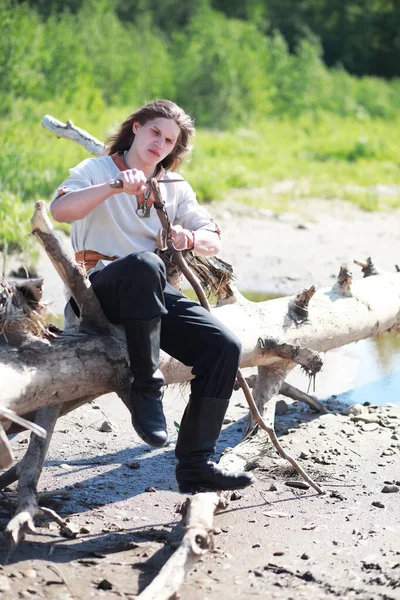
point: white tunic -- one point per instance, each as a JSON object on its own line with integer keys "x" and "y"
{"x": 113, "y": 228}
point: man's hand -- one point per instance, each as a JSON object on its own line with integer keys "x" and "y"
{"x": 134, "y": 181}
{"x": 183, "y": 239}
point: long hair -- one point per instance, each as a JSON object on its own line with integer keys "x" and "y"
{"x": 123, "y": 139}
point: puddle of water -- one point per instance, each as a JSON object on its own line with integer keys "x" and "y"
{"x": 378, "y": 377}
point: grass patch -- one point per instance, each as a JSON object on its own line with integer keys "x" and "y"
{"x": 323, "y": 157}
{"x": 273, "y": 164}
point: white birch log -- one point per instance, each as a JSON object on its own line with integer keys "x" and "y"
{"x": 42, "y": 371}
{"x": 70, "y": 132}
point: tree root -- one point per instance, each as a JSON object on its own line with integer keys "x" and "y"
{"x": 30, "y": 469}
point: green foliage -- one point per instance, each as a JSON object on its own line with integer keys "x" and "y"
{"x": 221, "y": 69}
{"x": 329, "y": 157}
{"x": 359, "y": 35}
{"x": 267, "y": 109}
{"x": 131, "y": 63}
{"x": 362, "y": 36}
{"x": 15, "y": 223}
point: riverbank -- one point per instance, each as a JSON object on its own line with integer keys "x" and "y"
{"x": 274, "y": 541}
{"x": 283, "y": 252}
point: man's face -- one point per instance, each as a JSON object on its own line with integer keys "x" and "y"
{"x": 155, "y": 139}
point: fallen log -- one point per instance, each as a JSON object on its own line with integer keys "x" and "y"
{"x": 38, "y": 368}
{"x": 44, "y": 368}
{"x": 70, "y": 368}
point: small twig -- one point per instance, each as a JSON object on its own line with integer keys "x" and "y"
{"x": 271, "y": 432}
{"x": 345, "y": 485}
{"x": 12, "y": 416}
{"x": 53, "y": 515}
{"x": 57, "y": 571}
{"x": 295, "y": 394}
{"x": 347, "y": 448}
{"x": 192, "y": 279}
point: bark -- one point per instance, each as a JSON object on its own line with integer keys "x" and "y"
{"x": 70, "y": 132}
{"x": 30, "y": 469}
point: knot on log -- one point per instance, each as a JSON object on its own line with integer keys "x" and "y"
{"x": 367, "y": 268}
{"x": 203, "y": 542}
{"x": 344, "y": 281}
{"x": 345, "y": 277}
{"x": 298, "y": 307}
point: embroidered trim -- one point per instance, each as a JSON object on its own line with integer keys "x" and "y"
{"x": 62, "y": 191}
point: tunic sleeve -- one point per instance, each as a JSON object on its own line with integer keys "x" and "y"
{"x": 190, "y": 214}
{"x": 80, "y": 177}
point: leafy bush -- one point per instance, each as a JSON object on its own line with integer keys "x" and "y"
{"x": 220, "y": 70}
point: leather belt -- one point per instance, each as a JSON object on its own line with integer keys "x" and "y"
{"x": 89, "y": 258}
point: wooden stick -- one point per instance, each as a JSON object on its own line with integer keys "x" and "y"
{"x": 296, "y": 354}
{"x": 6, "y": 453}
{"x": 73, "y": 275}
{"x": 290, "y": 391}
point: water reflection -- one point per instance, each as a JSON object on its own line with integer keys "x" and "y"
{"x": 378, "y": 377}
{"x": 388, "y": 351}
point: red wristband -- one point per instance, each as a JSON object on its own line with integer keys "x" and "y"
{"x": 193, "y": 240}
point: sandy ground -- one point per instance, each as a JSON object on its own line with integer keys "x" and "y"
{"x": 275, "y": 541}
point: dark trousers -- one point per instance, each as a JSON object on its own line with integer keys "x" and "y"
{"x": 135, "y": 288}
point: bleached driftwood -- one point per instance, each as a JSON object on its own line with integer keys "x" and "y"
{"x": 39, "y": 370}
{"x": 198, "y": 513}
{"x": 29, "y": 469}
{"x": 69, "y": 131}
{"x": 62, "y": 371}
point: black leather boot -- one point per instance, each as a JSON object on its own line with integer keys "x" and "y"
{"x": 198, "y": 434}
{"x": 145, "y": 401}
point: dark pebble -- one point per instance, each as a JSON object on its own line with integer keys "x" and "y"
{"x": 301, "y": 485}
{"x": 104, "y": 585}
